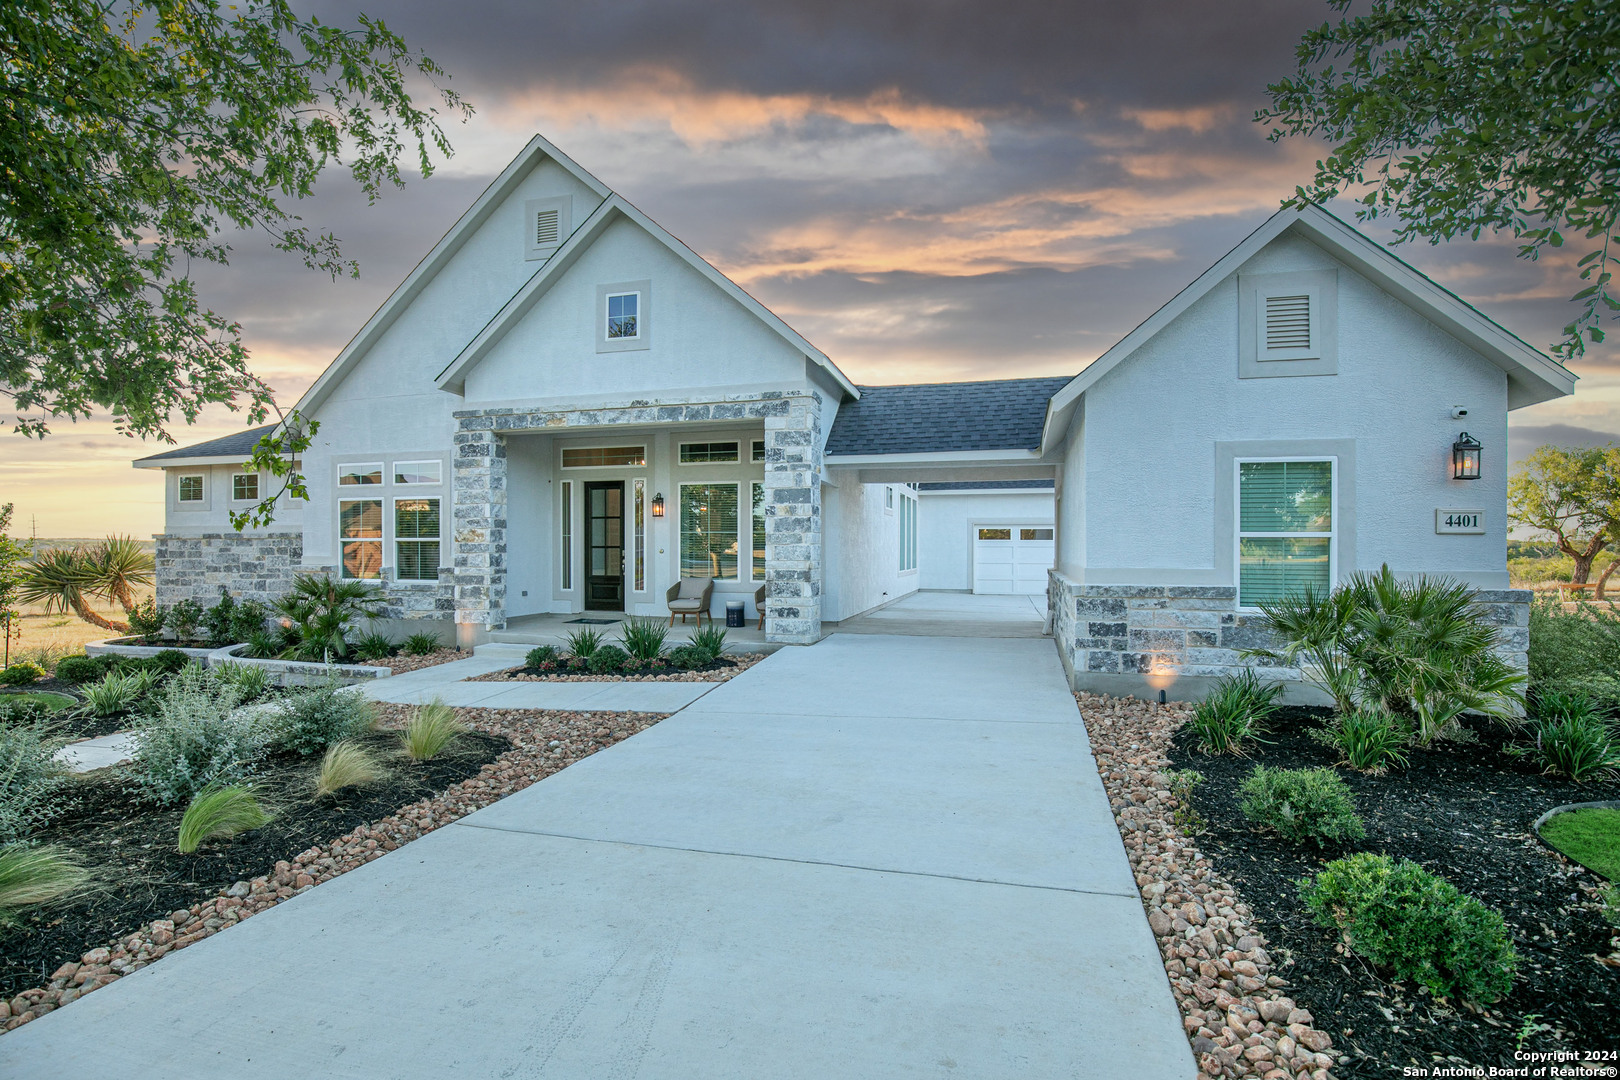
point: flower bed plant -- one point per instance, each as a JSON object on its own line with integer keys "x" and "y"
{"x": 638, "y": 656}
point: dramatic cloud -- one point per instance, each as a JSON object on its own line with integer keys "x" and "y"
{"x": 928, "y": 190}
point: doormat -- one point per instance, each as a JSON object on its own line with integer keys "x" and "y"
{"x": 593, "y": 622}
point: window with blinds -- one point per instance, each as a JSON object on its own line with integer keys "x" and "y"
{"x": 709, "y": 536}
{"x": 416, "y": 539}
{"x": 1288, "y": 322}
{"x": 1285, "y": 529}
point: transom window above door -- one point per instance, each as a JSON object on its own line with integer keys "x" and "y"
{"x": 623, "y": 312}
{"x": 694, "y": 453}
{"x": 601, "y": 457}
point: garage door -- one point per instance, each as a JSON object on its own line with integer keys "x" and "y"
{"x": 1011, "y": 558}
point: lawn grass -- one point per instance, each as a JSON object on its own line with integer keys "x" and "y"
{"x": 54, "y": 702}
{"x": 1590, "y": 837}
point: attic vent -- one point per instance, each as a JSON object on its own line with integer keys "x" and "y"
{"x": 545, "y": 228}
{"x": 1288, "y": 322}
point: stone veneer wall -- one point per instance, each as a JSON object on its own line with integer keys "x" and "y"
{"x": 793, "y": 567}
{"x": 1140, "y": 638}
{"x": 255, "y": 567}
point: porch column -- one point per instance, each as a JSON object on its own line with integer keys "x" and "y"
{"x": 478, "y": 542}
{"x": 793, "y": 558}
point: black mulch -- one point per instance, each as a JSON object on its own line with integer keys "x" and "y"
{"x": 130, "y": 847}
{"x": 1464, "y": 811}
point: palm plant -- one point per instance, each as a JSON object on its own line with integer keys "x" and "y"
{"x": 64, "y": 580}
{"x": 1312, "y": 629}
{"x": 323, "y": 611}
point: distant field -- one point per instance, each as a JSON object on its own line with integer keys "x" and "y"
{"x": 42, "y": 636}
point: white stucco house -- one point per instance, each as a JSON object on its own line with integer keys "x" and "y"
{"x": 563, "y": 408}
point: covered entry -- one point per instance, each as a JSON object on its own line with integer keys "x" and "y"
{"x": 1012, "y": 559}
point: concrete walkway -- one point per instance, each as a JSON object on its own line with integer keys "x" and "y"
{"x": 876, "y": 857}
{"x": 953, "y": 614}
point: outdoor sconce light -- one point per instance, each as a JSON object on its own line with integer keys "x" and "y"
{"x": 658, "y": 505}
{"x": 1465, "y": 458}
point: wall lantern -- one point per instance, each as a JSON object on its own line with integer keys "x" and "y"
{"x": 658, "y": 501}
{"x": 1465, "y": 458}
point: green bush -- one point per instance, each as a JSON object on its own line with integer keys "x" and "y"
{"x": 1233, "y": 712}
{"x": 1302, "y": 805}
{"x": 30, "y": 876}
{"x": 250, "y": 681}
{"x": 608, "y": 660}
{"x": 584, "y": 641}
{"x": 539, "y": 656}
{"x": 22, "y": 673}
{"x": 643, "y": 639}
{"x": 146, "y": 619}
{"x": 1603, "y": 691}
{"x": 1401, "y": 917}
{"x": 421, "y": 644}
{"x": 230, "y": 622}
{"x": 1572, "y": 644}
{"x": 1573, "y": 737}
{"x": 373, "y": 647}
{"x": 190, "y": 739}
{"x": 321, "y": 612}
{"x": 81, "y": 668}
{"x": 313, "y": 719}
{"x": 269, "y": 645}
{"x": 31, "y": 781}
{"x": 219, "y": 811}
{"x": 116, "y": 693}
{"x": 183, "y": 619}
{"x": 689, "y": 658}
{"x": 168, "y": 661}
{"x": 710, "y": 641}
{"x": 21, "y": 710}
{"x": 1371, "y": 740}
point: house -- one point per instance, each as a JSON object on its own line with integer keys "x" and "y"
{"x": 564, "y": 409}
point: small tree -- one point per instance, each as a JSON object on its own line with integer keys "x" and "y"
{"x": 12, "y": 554}
{"x": 1572, "y": 495}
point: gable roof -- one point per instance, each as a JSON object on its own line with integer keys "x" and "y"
{"x": 1005, "y": 414}
{"x": 1532, "y": 375}
{"x": 453, "y": 377}
{"x": 227, "y": 448}
{"x": 435, "y": 260}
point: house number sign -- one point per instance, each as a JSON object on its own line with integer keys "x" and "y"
{"x": 1459, "y": 521}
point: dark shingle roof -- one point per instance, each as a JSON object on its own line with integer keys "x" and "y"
{"x": 940, "y": 417}
{"x": 987, "y": 485}
{"x": 239, "y": 445}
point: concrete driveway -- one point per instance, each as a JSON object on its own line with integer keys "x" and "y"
{"x": 876, "y": 857}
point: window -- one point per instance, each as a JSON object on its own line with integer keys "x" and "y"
{"x": 709, "y": 531}
{"x": 759, "y": 449}
{"x": 601, "y": 457}
{"x": 245, "y": 487}
{"x": 694, "y": 453}
{"x": 358, "y": 475}
{"x": 622, "y": 311}
{"x": 1034, "y": 534}
{"x": 908, "y": 532}
{"x": 360, "y": 532}
{"x": 640, "y": 533}
{"x": 1285, "y": 529}
{"x": 191, "y": 488}
{"x": 759, "y": 532}
{"x": 995, "y": 534}
{"x": 888, "y": 499}
{"x": 418, "y": 472}
{"x": 416, "y": 539}
{"x": 567, "y": 534}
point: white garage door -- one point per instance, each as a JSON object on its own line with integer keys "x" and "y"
{"x": 1011, "y": 558}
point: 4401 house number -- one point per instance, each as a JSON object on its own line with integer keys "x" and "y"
{"x": 1459, "y": 521}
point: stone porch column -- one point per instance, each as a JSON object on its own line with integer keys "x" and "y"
{"x": 478, "y": 540}
{"x": 793, "y": 556}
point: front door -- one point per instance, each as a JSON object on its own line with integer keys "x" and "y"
{"x": 604, "y": 546}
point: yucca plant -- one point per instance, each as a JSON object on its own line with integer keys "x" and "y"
{"x": 64, "y": 580}
{"x": 219, "y": 811}
{"x": 30, "y": 876}
{"x": 122, "y": 566}
{"x": 115, "y": 693}
{"x": 710, "y": 641}
{"x": 430, "y": 729}
{"x": 346, "y": 764}
{"x": 643, "y": 639}
{"x": 584, "y": 641}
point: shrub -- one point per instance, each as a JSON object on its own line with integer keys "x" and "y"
{"x": 1575, "y": 739}
{"x": 710, "y": 640}
{"x": 584, "y": 641}
{"x": 22, "y": 673}
{"x": 373, "y": 647}
{"x": 539, "y": 656}
{"x": 30, "y": 876}
{"x": 430, "y": 729}
{"x": 346, "y": 764}
{"x": 146, "y": 619}
{"x": 608, "y": 660}
{"x": 17, "y": 710}
{"x": 1371, "y": 740}
{"x": 230, "y": 622}
{"x": 190, "y": 739}
{"x": 322, "y": 610}
{"x": 688, "y": 658}
{"x": 183, "y": 619}
{"x": 269, "y": 645}
{"x": 421, "y": 644}
{"x": 219, "y": 811}
{"x": 30, "y": 780}
{"x": 250, "y": 681}
{"x": 81, "y": 668}
{"x": 1567, "y": 644}
{"x": 116, "y": 693}
{"x": 643, "y": 639}
{"x": 313, "y": 719}
{"x": 168, "y": 661}
{"x": 1301, "y": 805}
{"x": 1182, "y": 783}
{"x": 1234, "y": 712}
{"x": 1400, "y": 916}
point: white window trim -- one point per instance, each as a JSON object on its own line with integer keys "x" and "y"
{"x": 258, "y": 486}
{"x": 644, "y": 305}
{"x": 393, "y": 474}
{"x": 1237, "y": 523}
{"x": 363, "y": 466}
{"x": 608, "y": 299}
{"x": 742, "y": 520}
{"x": 567, "y": 527}
{"x": 201, "y": 501}
{"x": 909, "y": 512}
{"x": 604, "y": 446}
{"x": 681, "y": 449}
{"x": 393, "y": 540}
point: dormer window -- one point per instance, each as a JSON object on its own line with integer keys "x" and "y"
{"x": 622, "y": 312}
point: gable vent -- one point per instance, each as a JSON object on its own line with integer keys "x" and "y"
{"x": 545, "y": 228}
{"x": 1288, "y": 322}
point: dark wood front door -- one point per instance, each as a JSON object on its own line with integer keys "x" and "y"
{"x": 604, "y": 546}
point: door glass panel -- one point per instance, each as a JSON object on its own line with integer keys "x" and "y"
{"x": 995, "y": 534}
{"x": 1034, "y": 534}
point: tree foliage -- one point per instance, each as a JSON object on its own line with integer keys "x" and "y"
{"x": 1572, "y": 495}
{"x": 12, "y": 554}
{"x": 133, "y": 138}
{"x": 1464, "y": 116}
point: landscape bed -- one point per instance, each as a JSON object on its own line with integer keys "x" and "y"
{"x": 142, "y": 882}
{"x": 1463, "y": 810}
{"x": 718, "y": 670}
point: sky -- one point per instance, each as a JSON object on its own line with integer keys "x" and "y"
{"x": 928, "y": 190}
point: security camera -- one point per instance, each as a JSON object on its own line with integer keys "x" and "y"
{"x": 1458, "y": 412}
